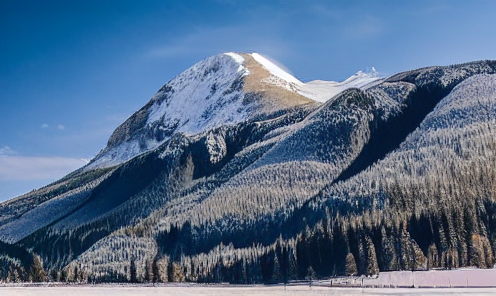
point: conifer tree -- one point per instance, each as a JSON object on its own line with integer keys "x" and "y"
{"x": 36, "y": 271}
{"x": 372, "y": 266}
{"x": 350, "y": 265}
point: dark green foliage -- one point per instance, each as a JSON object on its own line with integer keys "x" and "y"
{"x": 133, "y": 278}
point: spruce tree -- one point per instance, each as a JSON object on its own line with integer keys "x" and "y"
{"x": 350, "y": 265}
{"x": 36, "y": 271}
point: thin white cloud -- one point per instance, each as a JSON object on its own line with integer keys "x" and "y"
{"x": 6, "y": 150}
{"x": 60, "y": 127}
{"x": 44, "y": 126}
{"x": 37, "y": 168}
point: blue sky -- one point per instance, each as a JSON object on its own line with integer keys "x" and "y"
{"x": 72, "y": 71}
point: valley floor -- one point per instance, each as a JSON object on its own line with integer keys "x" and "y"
{"x": 111, "y": 290}
{"x": 438, "y": 282}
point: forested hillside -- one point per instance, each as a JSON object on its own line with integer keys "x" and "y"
{"x": 397, "y": 175}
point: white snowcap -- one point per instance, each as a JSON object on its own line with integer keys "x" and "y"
{"x": 317, "y": 90}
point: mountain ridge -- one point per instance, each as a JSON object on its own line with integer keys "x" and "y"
{"x": 393, "y": 176}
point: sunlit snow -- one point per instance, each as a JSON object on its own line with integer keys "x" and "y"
{"x": 318, "y": 90}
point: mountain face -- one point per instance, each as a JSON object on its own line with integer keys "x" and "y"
{"x": 237, "y": 171}
{"x": 221, "y": 90}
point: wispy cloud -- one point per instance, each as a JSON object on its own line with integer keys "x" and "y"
{"x": 46, "y": 126}
{"x": 37, "y": 168}
{"x": 6, "y": 150}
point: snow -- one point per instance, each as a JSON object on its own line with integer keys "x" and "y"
{"x": 117, "y": 155}
{"x": 322, "y": 91}
{"x": 201, "y": 99}
{"x": 225, "y": 290}
{"x": 194, "y": 105}
{"x": 317, "y": 90}
{"x": 465, "y": 277}
{"x": 238, "y": 59}
{"x": 274, "y": 69}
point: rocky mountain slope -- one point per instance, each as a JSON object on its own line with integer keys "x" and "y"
{"x": 237, "y": 171}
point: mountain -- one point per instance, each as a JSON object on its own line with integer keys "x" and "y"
{"x": 237, "y": 171}
{"x": 225, "y": 89}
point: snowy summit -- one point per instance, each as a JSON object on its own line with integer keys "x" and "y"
{"x": 221, "y": 90}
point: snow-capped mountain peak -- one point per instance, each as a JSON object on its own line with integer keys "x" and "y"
{"x": 224, "y": 89}
{"x": 212, "y": 93}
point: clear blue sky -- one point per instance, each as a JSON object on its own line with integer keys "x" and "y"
{"x": 72, "y": 71}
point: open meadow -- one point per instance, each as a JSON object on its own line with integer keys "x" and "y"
{"x": 441, "y": 282}
{"x": 110, "y": 290}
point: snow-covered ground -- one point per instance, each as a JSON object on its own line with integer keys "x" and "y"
{"x": 437, "y": 282}
{"x": 464, "y": 277}
{"x": 109, "y": 290}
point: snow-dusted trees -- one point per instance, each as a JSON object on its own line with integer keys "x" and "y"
{"x": 401, "y": 176}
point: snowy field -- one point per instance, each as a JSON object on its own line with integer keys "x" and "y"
{"x": 464, "y": 277}
{"x": 446, "y": 282}
{"x": 109, "y": 290}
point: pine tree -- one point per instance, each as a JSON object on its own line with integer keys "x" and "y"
{"x": 372, "y": 267}
{"x": 148, "y": 272}
{"x": 388, "y": 254}
{"x": 36, "y": 271}
{"x": 162, "y": 269}
{"x": 177, "y": 273}
{"x": 311, "y": 274}
{"x": 432, "y": 257}
{"x": 132, "y": 269}
{"x": 350, "y": 265}
{"x": 277, "y": 276}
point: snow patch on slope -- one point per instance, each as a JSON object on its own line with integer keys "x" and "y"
{"x": 205, "y": 96}
{"x": 274, "y": 69}
{"x": 116, "y": 155}
{"x": 322, "y": 91}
